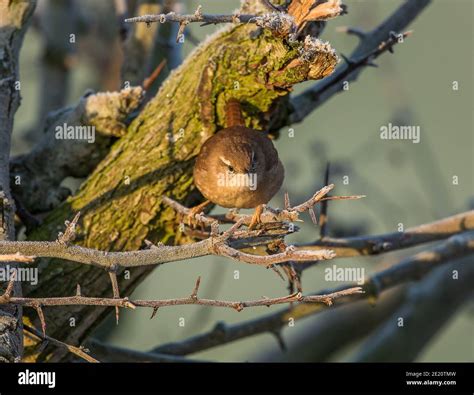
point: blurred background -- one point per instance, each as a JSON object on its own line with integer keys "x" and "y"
{"x": 405, "y": 183}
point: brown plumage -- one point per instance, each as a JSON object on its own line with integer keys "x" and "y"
{"x": 238, "y": 167}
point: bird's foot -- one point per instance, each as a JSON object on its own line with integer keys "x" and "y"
{"x": 256, "y": 220}
{"x": 191, "y": 217}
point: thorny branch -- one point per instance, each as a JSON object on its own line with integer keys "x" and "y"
{"x": 377, "y": 244}
{"x": 270, "y": 215}
{"x": 79, "y": 351}
{"x": 409, "y": 269}
{"x": 372, "y": 44}
{"x": 278, "y": 22}
{"x": 193, "y": 299}
{"x": 285, "y": 24}
{"x": 217, "y": 244}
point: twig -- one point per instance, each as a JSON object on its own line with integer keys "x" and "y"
{"x": 111, "y": 353}
{"x": 163, "y": 254}
{"x": 270, "y": 215}
{"x": 17, "y": 258}
{"x": 70, "y": 232}
{"x": 290, "y": 254}
{"x": 217, "y": 244}
{"x": 323, "y": 217}
{"x": 154, "y": 304}
{"x": 154, "y": 75}
{"x": 378, "y": 244}
{"x": 280, "y": 23}
{"x": 115, "y": 291}
{"x": 79, "y": 351}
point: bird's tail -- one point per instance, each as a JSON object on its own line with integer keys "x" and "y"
{"x": 233, "y": 114}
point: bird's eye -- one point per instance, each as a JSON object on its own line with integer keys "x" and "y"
{"x": 231, "y": 169}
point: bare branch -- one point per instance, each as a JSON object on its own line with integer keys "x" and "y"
{"x": 428, "y": 306}
{"x": 37, "y": 303}
{"x": 372, "y": 45}
{"x": 323, "y": 217}
{"x": 53, "y": 159}
{"x": 79, "y": 351}
{"x": 70, "y": 232}
{"x": 279, "y": 23}
{"x": 409, "y": 269}
{"x": 155, "y": 256}
{"x": 270, "y": 215}
{"x": 17, "y": 258}
{"x": 110, "y": 353}
{"x": 377, "y": 244}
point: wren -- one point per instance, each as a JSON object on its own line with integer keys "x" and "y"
{"x": 238, "y": 167}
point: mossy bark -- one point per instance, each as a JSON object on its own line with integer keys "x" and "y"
{"x": 120, "y": 201}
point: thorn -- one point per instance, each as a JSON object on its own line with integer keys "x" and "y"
{"x": 220, "y": 329}
{"x": 280, "y": 340}
{"x": 359, "y": 33}
{"x": 393, "y": 35}
{"x": 328, "y": 301}
{"x": 152, "y": 246}
{"x": 182, "y": 26}
{"x": 39, "y": 310}
{"x": 70, "y": 231}
{"x": 43, "y": 344}
{"x": 215, "y": 229}
{"x": 348, "y": 61}
{"x": 115, "y": 291}
{"x": 287, "y": 201}
{"x": 275, "y": 269}
{"x": 155, "y": 310}
{"x": 196, "y": 288}
{"x": 313, "y": 216}
{"x": 154, "y": 75}
{"x": 198, "y": 12}
{"x": 78, "y": 290}
{"x": 9, "y": 291}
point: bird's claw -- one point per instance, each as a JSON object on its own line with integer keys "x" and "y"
{"x": 256, "y": 220}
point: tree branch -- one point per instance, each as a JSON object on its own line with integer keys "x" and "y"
{"x": 155, "y": 256}
{"x": 79, "y": 300}
{"x": 214, "y": 245}
{"x": 428, "y": 307}
{"x": 54, "y": 158}
{"x": 279, "y": 23}
{"x": 372, "y": 45}
{"x": 377, "y": 244}
{"x": 109, "y": 353}
{"x": 79, "y": 351}
{"x": 409, "y": 269}
{"x": 14, "y": 20}
{"x": 270, "y": 215}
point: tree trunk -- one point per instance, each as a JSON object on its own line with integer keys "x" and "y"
{"x": 120, "y": 201}
{"x": 14, "y": 17}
